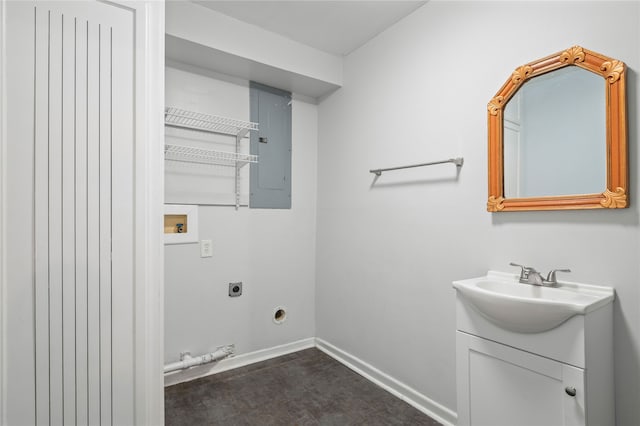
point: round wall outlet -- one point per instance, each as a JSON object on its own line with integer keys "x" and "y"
{"x": 235, "y": 289}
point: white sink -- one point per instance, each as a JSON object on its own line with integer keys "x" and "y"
{"x": 526, "y": 308}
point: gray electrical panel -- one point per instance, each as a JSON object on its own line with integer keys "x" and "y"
{"x": 270, "y": 183}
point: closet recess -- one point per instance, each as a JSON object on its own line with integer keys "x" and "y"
{"x": 191, "y": 120}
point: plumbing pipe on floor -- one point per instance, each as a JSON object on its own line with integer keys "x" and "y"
{"x": 187, "y": 361}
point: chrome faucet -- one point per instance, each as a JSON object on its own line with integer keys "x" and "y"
{"x": 528, "y": 275}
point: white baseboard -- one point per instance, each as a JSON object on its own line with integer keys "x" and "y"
{"x": 391, "y": 385}
{"x": 237, "y": 361}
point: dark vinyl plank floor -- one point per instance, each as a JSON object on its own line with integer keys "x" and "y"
{"x": 303, "y": 388}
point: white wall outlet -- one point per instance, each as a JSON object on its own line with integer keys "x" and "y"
{"x": 206, "y": 248}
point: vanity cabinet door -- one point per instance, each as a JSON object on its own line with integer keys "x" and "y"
{"x": 502, "y": 386}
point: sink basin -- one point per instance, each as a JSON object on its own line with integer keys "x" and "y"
{"x": 526, "y": 308}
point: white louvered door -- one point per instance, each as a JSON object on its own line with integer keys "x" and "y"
{"x": 70, "y": 109}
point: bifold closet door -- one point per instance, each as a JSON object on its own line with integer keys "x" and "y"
{"x": 70, "y": 98}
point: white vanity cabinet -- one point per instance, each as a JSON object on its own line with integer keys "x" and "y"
{"x": 560, "y": 376}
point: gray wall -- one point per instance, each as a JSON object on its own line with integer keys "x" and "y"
{"x": 388, "y": 250}
{"x": 271, "y": 251}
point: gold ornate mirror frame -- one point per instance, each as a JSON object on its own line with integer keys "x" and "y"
{"x": 616, "y": 193}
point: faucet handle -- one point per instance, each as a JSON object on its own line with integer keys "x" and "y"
{"x": 524, "y": 270}
{"x": 552, "y": 275}
{"x": 519, "y": 266}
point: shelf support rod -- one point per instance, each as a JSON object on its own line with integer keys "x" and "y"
{"x": 459, "y": 161}
{"x": 238, "y": 139}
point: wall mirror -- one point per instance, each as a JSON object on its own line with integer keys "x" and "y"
{"x": 558, "y": 135}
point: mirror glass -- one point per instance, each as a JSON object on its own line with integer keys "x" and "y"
{"x": 554, "y": 135}
{"x": 558, "y": 135}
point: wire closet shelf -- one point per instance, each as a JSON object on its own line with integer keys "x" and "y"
{"x": 208, "y": 123}
{"x": 180, "y": 118}
{"x": 188, "y": 154}
{"x": 192, "y": 120}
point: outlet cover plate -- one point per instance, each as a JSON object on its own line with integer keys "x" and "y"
{"x": 206, "y": 248}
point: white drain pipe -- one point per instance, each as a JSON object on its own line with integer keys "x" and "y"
{"x": 187, "y": 361}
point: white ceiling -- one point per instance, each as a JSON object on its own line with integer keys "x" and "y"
{"x": 336, "y": 27}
